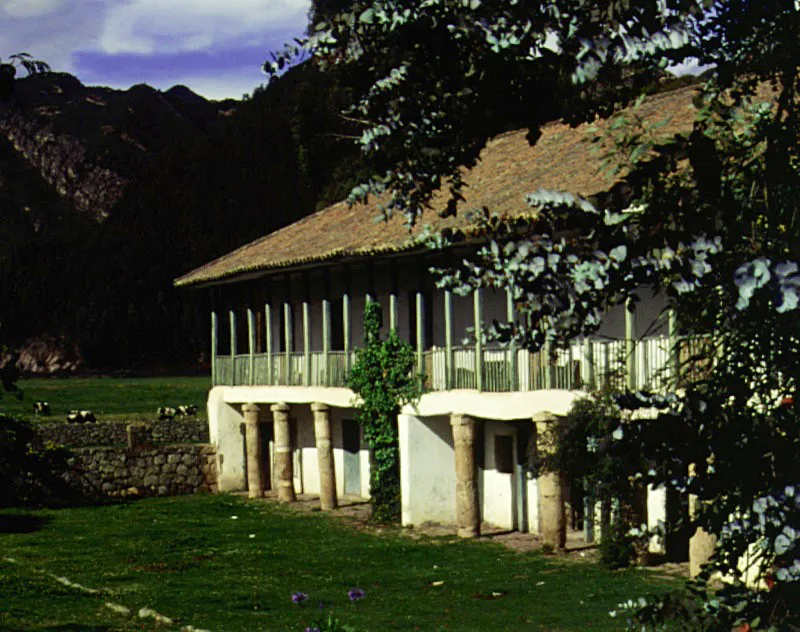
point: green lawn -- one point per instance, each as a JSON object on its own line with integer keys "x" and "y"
{"x": 108, "y": 398}
{"x": 189, "y": 559}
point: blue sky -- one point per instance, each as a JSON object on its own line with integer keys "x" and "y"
{"x": 216, "y": 47}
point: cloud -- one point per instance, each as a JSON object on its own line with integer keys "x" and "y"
{"x": 50, "y": 30}
{"x": 149, "y": 26}
{"x": 216, "y": 46}
{"x": 29, "y": 8}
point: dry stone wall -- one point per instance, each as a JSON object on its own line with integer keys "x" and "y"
{"x": 115, "y": 432}
{"x": 158, "y": 471}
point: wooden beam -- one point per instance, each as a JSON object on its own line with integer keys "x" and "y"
{"x": 251, "y": 346}
{"x": 477, "y": 304}
{"x": 449, "y": 367}
{"x": 214, "y": 345}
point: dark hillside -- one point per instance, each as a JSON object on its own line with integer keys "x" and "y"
{"x": 107, "y": 195}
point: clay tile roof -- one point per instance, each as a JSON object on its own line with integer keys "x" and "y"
{"x": 508, "y": 169}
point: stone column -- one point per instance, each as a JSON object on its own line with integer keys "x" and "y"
{"x": 702, "y": 543}
{"x": 327, "y": 472}
{"x": 467, "y": 509}
{"x": 283, "y": 453}
{"x": 255, "y": 456}
{"x": 552, "y": 516}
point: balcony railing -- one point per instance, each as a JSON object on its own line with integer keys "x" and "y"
{"x": 644, "y": 364}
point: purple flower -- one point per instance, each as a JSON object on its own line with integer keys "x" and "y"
{"x": 313, "y": 630}
{"x": 355, "y": 594}
{"x": 299, "y": 597}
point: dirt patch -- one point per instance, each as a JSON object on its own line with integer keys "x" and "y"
{"x": 356, "y": 512}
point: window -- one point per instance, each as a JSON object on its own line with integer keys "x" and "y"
{"x": 504, "y": 454}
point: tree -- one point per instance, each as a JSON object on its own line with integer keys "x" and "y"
{"x": 712, "y": 221}
{"x": 8, "y": 71}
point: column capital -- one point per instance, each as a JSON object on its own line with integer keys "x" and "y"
{"x": 544, "y": 416}
{"x": 280, "y": 407}
{"x": 251, "y": 408}
{"x": 460, "y": 419}
{"x": 319, "y": 407}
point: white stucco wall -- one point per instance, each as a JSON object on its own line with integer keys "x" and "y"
{"x": 656, "y": 513}
{"x": 224, "y": 423}
{"x": 498, "y": 489}
{"x": 427, "y": 470}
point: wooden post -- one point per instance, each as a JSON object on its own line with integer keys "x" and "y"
{"x": 467, "y": 507}
{"x": 420, "y": 299}
{"x": 232, "y": 316}
{"x": 549, "y": 366}
{"x": 393, "y": 311}
{"x": 251, "y": 346}
{"x": 287, "y": 339}
{"x": 268, "y": 341}
{"x": 477, "y": 304}
{"x": 346, "y": 330}
{"x": 588, "y": 359}
{"x": 283, "y": 452}
{"x": 306, "y": 344}
{"x": 326, "y": 340}
{"x": 513, "y": 368}
{"x": 630, "y": 346}
{"x": 674, "y": 349}
{"x": 214, "y": 344}
{"x": 448, "y": 341}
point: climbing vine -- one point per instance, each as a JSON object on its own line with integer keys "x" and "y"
{"x": 383, "y": 378}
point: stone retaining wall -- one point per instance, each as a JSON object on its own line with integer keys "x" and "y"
{"x": 165, "y": 470}
{"x": 115, "y": 432}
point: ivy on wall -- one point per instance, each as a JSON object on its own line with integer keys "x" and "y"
{"x": 383, "y": 378}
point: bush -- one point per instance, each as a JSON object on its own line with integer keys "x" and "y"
{"x": 29, "y": 474}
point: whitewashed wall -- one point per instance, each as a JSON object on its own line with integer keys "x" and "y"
{"x": 427, "y": 470}
{"x": 224, "y": 424}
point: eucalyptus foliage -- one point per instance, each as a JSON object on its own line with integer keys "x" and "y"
{"x": 710, "y": 218}
{"x": 383, "y": 379}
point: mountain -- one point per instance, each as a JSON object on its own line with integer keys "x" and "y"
{"x": 107, "y": 195}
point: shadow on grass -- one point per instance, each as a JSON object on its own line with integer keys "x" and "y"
{"x": 22, "y": 523}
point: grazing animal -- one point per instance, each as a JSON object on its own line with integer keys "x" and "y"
{"x": 187, "y": 411}
{"x": 41, "y": 408}
{"x": 166, "y": 412}
{"x": 81, "y": 417}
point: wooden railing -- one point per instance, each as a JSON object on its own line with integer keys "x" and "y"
{"x": 651, "y": 364}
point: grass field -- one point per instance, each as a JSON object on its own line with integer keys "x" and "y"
{"x": 108, "y": 398}
{"x": 224, "y": 564}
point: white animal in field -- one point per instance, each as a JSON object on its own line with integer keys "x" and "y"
{"x": 166, "y": 413}
{"x": 81, "y": 417}
{"x": 41, "y": 408}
